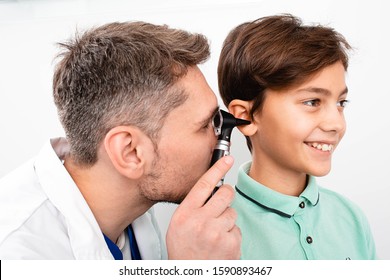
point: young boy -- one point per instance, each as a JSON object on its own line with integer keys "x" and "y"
{"x": 288, "y": 79}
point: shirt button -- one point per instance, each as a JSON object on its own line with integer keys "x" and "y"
{"x": 309, "y": 239}
{"x": 302, "y": 204}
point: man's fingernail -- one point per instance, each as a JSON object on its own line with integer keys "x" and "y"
{"x": 228, "y": 159}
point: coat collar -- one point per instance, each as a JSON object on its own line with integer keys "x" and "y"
{"x": 85, "y": 236}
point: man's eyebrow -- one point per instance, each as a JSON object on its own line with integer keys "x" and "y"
{"x": 206, "y": 120}
{"x": 323, "y": 91}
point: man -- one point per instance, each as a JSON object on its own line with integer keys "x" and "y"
{"x": 137, "y": 113}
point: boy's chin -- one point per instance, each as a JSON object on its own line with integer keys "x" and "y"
{"x": 320, "y": 173}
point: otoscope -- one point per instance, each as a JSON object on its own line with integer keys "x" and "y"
{"x": 223, "y": 123}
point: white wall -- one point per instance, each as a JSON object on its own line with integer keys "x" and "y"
{"x": 30, "y": 29}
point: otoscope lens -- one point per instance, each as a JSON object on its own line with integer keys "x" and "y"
{"x": 217, "y": 123}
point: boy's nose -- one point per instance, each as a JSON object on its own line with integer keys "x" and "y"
{"x": 333, "y": 120}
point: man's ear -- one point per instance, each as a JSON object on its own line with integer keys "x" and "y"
{"x": 126, "y": 148}
{"x": 241, "y": 109}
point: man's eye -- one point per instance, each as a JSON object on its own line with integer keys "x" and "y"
{"x": 206, "y": 126}
{"x": 312, "y": 102}
{"x": 343, "y": 103}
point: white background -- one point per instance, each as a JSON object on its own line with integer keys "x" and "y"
{"x": 29, "y": 30}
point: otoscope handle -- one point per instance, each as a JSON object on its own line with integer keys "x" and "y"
{"x": 217, "y": 154}
{"x": 223, "y": 124}
{"x": 221, "y": 149}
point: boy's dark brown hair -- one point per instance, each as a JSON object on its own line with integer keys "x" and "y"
{"x": 275, "y": 52}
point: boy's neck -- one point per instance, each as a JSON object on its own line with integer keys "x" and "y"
{"x": 281, "y": 180}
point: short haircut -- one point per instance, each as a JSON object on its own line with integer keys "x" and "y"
{"x": 121, "y": 74}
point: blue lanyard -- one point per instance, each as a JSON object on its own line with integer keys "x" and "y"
{"x": 116, "y": 252}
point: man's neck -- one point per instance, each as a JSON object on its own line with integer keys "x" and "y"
{"x": 114, "y": 200}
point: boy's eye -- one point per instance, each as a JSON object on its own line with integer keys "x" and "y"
{"x": 343, "y": 103}
{"x": 312, "y": 102}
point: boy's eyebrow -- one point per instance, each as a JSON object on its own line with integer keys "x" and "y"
{"x": 323, "y": 91}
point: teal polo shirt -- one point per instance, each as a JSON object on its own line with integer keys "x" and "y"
{"x": 318, "y": 224}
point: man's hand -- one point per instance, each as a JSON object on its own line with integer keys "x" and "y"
{"x": 206, "y": 230}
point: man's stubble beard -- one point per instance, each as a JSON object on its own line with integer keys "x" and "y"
{"x": 157, "y": 186}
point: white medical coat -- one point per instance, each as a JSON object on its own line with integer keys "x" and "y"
{"x": 43, "y": 215}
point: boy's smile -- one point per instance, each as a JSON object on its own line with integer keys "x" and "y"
{"x": 321, "y": 146}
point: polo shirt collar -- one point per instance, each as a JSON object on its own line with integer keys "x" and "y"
{"x": 284, "y": 205}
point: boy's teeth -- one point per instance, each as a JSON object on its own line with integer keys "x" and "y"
{"x": 322, "y": 147}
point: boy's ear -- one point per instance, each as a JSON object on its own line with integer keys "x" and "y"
{"x": 241, "y": 109}
{"x": 127, "y": 150}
